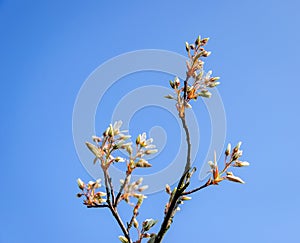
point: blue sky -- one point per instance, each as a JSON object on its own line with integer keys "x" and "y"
{"x": 48, "y": 49}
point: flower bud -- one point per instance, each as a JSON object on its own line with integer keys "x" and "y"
{"x": 151, "y": 151}
{"x": 213, "y": 79}
{"x": 206, "y": 53}
{"x": 204, "y": 41}
{"x": 110, "y": 131}
{"x": 123, "y": 239}
{"x": 185, "y": 198}
{"x": 80, "y": 184}
{"x": 228, "y": 150}
{"x": 138, "y": 139}
{"x": 198, "y": 40}
{"x": 119, "y": 159}
{"x": 135, "y": 223}
{"x": 176, "y": 82}
{"x": 241, "y": 164}
{"x": 187, "y": 46}
{"x": 168, "y": 189}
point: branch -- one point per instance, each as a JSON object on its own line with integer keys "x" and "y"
{"x": 188, "y": 141}
{"x": 197, "y": 189}
{"x": 180, "y": 188}
{"x": 112, "y": 208}
{"x": 121, "y": 190}
{"x": 98, "y": 206}
{"x": 185, "y": 87}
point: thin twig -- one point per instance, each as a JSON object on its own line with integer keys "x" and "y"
{"x": 185, "y": 87}
{"x": 196, "y": 189}
{"x": 120, "y": 222}
{"x": 98, "y": 206}
{"x": 112, "y": 208}
{"x": 121, "y": 190}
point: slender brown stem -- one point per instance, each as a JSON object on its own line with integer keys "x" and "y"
{"x": 98, "y": 206}
{"x": 121, "y": 190}
{"x": 196, "y": 189}
{"x": 185, "y": 87}
{"x": 180, "y": 189}
{"x": 112, "y": 208}
{"x": 188, "y": 141}
{"x": 120, "y": 222}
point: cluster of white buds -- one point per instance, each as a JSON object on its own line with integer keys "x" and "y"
{"x": 201, "y": 80}
{"x": 133, "y": 189}
{"x": 92, "y": 197}
{"x": 233, "y": 161}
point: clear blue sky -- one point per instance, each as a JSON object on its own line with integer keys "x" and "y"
{"x": 48, "y": 48}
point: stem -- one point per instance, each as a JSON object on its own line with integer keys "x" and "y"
{"x": 185, "y": 87}
{"x": 188, "y": 141}
{"x": 197, "y": 189}
{"x": 112, "y": 208}
{"x": 121, "y": 190}
{"x": 180, "y": 189}
{"x": 120, "y": 222}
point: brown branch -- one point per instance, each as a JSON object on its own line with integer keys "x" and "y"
{"x": 197, "y": 189}
{"x": 121, "y": 190}
{"x": 112, "y": 208}
{"x": 185, "y": 87}
{"x": 98, "y": 206}
{"x": 182, "y": 185}
{"x": 188, "y": 141}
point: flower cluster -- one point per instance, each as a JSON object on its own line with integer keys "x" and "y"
{"x": 201, "y": 81}
{"x": 105, "y": 149}
{"x": 92, "y": 198}
{"x": 231, "y": 160}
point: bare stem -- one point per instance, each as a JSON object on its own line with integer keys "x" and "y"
{"x": 121, "y": 190}
{"x": 180, "y": 188}
{"x": 188, "y": 141}
{"x": 197, "y": 189}
{"x": 111, "y": 206}
{"x": 185, "y": 87}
